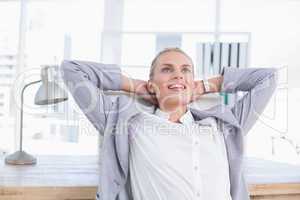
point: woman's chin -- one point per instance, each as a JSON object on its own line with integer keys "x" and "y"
{"x": 176, "y": 102}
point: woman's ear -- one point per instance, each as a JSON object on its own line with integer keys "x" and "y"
{"x": 150, "y": 87}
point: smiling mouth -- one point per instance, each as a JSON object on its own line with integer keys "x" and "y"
{"x": 177, "y": 87}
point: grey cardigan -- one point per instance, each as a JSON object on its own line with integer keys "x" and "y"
{"x": 111, "y": 113}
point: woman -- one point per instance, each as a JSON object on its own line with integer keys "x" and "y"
{"x": 166, "y": 149}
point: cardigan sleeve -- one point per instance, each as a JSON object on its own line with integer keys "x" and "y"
{"x": 259, "y": 85}
{"x": 86, "y": 81}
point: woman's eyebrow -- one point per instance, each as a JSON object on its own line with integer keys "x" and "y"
{"x": 168, "y": 64}
{"x": 171, "y": 65}
{"x": 186, "y": 65}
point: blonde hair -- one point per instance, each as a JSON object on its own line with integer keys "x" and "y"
{"x": 171, "y": 49}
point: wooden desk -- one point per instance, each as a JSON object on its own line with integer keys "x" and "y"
{"x": 76, "y": 178}
{"x": 53, "y": 178}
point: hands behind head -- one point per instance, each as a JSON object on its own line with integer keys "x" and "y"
{"x": 141, "y": 90}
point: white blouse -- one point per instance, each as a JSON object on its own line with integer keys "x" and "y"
{"x": 178, "y": 161}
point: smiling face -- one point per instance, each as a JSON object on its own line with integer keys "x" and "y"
{"x": 172, "y": 79}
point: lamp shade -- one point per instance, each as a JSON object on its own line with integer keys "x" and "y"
{"x": 49, "y": 92}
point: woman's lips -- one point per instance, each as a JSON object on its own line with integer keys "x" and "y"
{"x": 177, "y": 87}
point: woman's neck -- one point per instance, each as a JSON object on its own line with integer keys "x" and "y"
{"x": 175, "y": 113}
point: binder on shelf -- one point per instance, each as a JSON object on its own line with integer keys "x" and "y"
{"x": 234, "y": 54}
{"x": 225, "y": 55}
{"x": 243, "y": 55}
{"x": 207, "y": 60}
{"x": 199, "y": 59}
{"x": 216, "y": 58}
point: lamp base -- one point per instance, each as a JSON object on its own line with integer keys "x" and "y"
{"x": 20, "y": 158}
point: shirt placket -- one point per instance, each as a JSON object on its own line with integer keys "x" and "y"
{"x": 196, "y": 167}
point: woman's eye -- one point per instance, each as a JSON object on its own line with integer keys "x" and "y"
{"x": 166, "y": 69}
{"x": 186, "y": 70}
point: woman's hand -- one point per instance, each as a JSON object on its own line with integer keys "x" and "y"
{"x": 215, "y": 84}
{"x": 138, "y": 87}
{"x": 198, "y": 91}
{"x": 141, "y": 90}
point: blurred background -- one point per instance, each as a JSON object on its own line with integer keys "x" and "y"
{"x": 216, "y": 33}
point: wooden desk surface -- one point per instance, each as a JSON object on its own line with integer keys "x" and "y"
{"x": 52, "y": 171}
{"x": 76, "y": 177}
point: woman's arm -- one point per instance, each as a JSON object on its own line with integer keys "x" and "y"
{"x": 259, "y": 83}
{"x": 86, "y": 82}
{"x": 129, "y": 84}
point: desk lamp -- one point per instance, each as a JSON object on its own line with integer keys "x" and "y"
{"x": 48, "y": 93}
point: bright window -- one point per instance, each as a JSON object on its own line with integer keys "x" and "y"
{"x": 55, "y": 30}
{"x": 274, "y": 43}
{"x": 9, "y": 24}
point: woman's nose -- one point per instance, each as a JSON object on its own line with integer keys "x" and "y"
{"x": 178, "y": 75}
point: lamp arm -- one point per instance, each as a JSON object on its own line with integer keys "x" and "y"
{"x": 21, "y": 117}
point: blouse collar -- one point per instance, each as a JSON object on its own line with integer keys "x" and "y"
{"x": 187, "y": 118}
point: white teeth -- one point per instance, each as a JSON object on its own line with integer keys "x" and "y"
{"x": 176, "y": 86}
